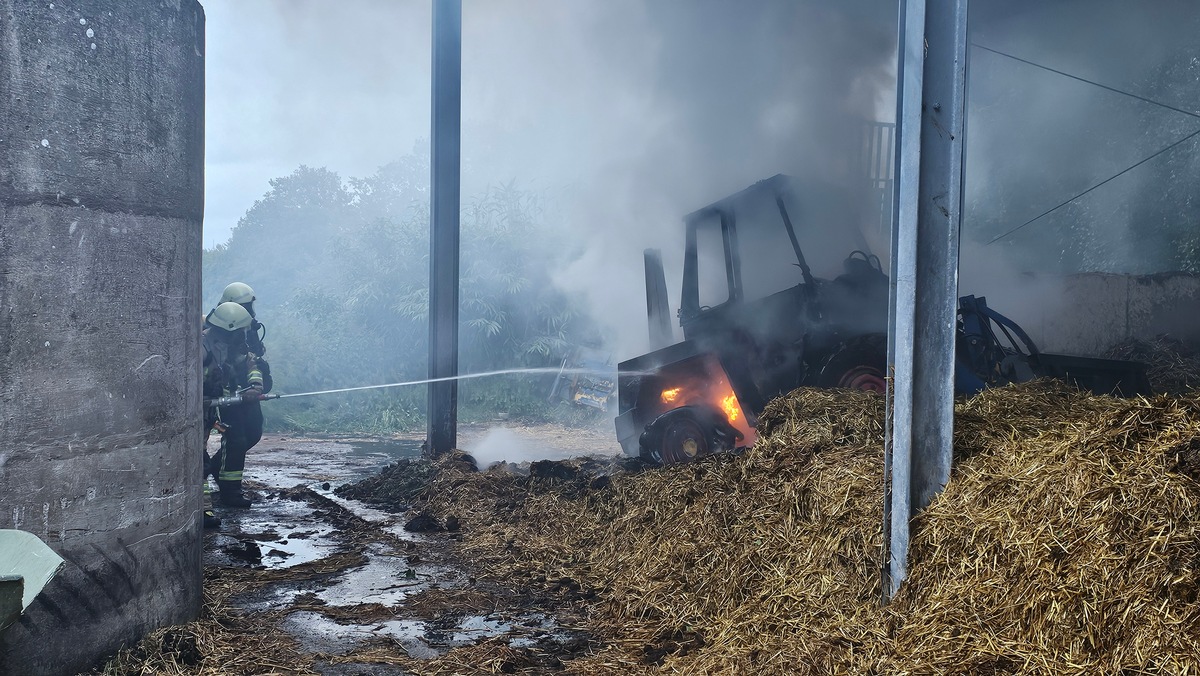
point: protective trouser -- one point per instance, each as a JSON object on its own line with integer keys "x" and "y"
{"x": 210, "y": 517}
{"x": 244, "y": 423}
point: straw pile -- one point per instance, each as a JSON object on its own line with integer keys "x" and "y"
{"x": 225, "y": 640}
{"x": 1174, "y": 366}
{"x": 687, "y": 564}
{"x": 1066, "y": 542}
{"x": 228, "y": 640}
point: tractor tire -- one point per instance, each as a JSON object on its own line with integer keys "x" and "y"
{"x": 685, "y": 434}
{"x": 858, "y": 364}
{"x": 683, "y": 440}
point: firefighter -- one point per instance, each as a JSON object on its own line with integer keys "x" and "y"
{"x": 222, "y": 338}
{"x": 242, "y": 294}
{"x": 210, "y": 517}
{"x": 231, "y": 368}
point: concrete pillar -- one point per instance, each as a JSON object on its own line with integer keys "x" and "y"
{"x": 101, "y": 201}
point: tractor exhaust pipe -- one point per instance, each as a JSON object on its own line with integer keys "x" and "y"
{"x": 658, "y": 309}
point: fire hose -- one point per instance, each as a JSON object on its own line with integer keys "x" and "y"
{"x": 235, "y": 399}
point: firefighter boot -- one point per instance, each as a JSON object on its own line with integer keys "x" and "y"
{"x": 231, "y": 495}
{"x": 210, "y": 517}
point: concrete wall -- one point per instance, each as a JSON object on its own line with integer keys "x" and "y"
{"x": 1089, "y": 313}
{"x": 101, "y": 201}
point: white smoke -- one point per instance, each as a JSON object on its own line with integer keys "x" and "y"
{"x": 631, "y": 113}
{"x": 503, "y": 444}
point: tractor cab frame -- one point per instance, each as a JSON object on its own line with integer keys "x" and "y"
{"x": 758, "y": 322}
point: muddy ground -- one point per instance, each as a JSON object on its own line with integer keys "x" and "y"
{"x": 362, "y": 584}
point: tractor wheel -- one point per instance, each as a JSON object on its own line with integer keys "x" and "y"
{"x": 683, "y": 440}
{"x": 859, "y": 364}
{"x": 685, "y": 434}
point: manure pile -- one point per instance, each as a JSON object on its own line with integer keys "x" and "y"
{"x": 394, "y": 488}
{"x": 1068, "y": 541}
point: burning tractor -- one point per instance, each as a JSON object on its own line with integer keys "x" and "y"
{"x": 758, "y": 323}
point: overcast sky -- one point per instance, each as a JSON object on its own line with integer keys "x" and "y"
{"x": 279, "y": 94}
{"x": 552, "y": 91}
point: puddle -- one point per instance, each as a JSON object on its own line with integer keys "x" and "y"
{"x": 274, "y": 597}
{"x": 319, "y": 634}
{"x": 389, "y": 521}
{"x": 316, "y": 632}
{"x": 277, "y": 461}
{"x": 274, "y": 533}
{"x": 278, "y": 532}
{"x": 386, "y": 579}
{"x": 407, "y": 633}
{"x": 475, "y": 627}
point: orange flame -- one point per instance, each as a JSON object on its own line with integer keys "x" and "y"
{"x": 669, "y": 396}
{"x": 730, "y": 404}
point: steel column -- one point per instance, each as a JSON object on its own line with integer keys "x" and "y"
{"x": 443, "y": 234}
{"x": 930, "y": 116}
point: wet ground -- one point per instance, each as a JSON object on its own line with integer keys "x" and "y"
{"x": 376, "y": 582}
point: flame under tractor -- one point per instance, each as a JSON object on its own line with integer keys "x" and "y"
{"x": 757, "y": 323}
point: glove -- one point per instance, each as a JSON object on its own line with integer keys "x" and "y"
{"x": 252, "y": 394}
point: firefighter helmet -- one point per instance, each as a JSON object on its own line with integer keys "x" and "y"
{"x": 239, "y": 293}
{"x": 229, "y": 317}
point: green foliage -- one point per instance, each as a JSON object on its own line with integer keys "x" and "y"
{"x": 341, "y": 273}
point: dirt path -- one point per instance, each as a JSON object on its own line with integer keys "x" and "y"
{"x": 349, "y": 585}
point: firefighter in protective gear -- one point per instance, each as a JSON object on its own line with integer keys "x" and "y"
{"x": 231, "y": 368}
{"x": 222, "y": 334}
{"x": 242, "y": 294}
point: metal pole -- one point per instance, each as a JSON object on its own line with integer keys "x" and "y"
{"x": 930, "y": 116}
{"x": 443, "y": 235}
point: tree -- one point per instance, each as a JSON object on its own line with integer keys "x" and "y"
{"x": 342, "y": 273}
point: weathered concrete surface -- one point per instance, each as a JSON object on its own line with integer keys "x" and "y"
{"x": 101, "y": 202}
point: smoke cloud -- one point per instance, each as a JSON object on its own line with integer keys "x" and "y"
{"x": 626, "y": 114}
{"x": 732, "y": 93}
{"x": 1037, "y": 138}
{"x": 502, "y": 444}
